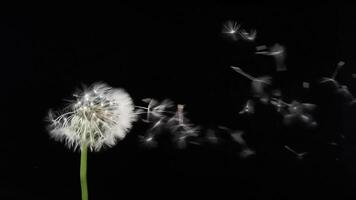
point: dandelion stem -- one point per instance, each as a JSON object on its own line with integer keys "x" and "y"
{"x": 83, "y": 172}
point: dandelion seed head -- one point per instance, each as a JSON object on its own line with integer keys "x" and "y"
{"x": 100, "y": 117}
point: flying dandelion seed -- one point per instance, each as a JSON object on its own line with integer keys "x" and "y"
{"x": 299, "y": 156}
{"x": 306, "y": 85}
{"x": 340, "y": 64}
{"x": 265, "y": 80}
{"x": 232, "y": 29}
{"x": 149, "y": 138}
{"x": 148, "y": 141}
{"x": 181, "y": 128}
{"x": 248, "y": 108}
{"x": 99, "y": 117}
{"x": 237, "y": 137}
{"x": 155, "y": 110}
{"x": 274, "y": 50}
{"x": 261, "y": 47}
{"x": 248, "y": 36}
{"x": 277, "y": 51}
{"x": 261, "y": 87}
{"x": 300, "y": 114}
{"x": 211, "y": 136}
{"x": 156, "y": 115}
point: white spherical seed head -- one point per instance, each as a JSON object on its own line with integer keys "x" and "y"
{"x": 100, "y": 117}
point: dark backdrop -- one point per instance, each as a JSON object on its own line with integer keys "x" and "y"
{"x": 174, "y": 52}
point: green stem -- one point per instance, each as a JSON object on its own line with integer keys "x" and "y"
{"x": 83, "y": 172}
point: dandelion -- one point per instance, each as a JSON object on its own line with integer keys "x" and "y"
{"x": 99, "y": 117}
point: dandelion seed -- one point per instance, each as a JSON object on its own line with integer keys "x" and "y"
{"x": 265, "y": 80}
{"x": 261, "y": 47}
{"x": 181, "y": 127}
{"x": 340, "y": 64}
{"x": 278, "y": 52}
{"x": 249, "y": 36}
{"x": 299, "y": 156}
{"x": 237, "y": 137}
{"x": 148, "y": 141}
{"x": 247, "y": 152}
{"x": 232, "y": 29}
{"x": 211, "y": 136}
{"x": 306, "y": 85}
{"x": 155, "y": 109}
{"x": 248, "y": 108}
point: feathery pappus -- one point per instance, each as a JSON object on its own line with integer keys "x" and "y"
{"x": 99, "y": 117}
{"x": 233, "y": 29}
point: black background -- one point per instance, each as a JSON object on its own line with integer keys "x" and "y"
{"x": 171, "y": 51}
